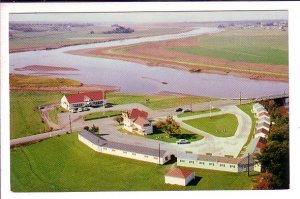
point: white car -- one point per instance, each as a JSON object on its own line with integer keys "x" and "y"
{"x": 182, "y": 141}
{"x": 73, "y": 110}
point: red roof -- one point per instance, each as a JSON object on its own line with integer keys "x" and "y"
{"x": 135, "y": 113}
{"x": 262, "y": 130}
{"x": 264, "y": 113}
{"x": 262, "y": 143}
{"x": 81, "y": 97}
{"x": 179, "y": 173}
{"x": 141, "y": 121}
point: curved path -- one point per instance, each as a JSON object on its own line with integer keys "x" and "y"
{"x": 219, "y": 145}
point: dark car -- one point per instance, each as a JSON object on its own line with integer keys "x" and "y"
{"x": 108, "y": 106}
{"x": 186, "y": 110}
{"x": 179, "y": 110}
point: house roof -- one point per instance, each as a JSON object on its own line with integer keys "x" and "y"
{"x": 81, "y": 97}
{"x": 121, "y": 146}
{"x": 262, "y": 143}
{"x": 141, "y": 121}
{"x": 261, "y": 109}
{"x": 135, "y": 113}
{"x": 179, "y": 173}
{"x": 262, "y": 124}
{"x": 265, "y": 113}
{"x": 263, "y": 119}
{"x": 257, "y": 105}
{"x": 262, "y": 130}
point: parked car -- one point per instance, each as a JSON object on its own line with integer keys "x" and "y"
{"x": 80, "y": 109}
{"x": 108, "y": 106}
{"x": 74, "y": 110}
{"x": 186, "y": 110}
{"x": 85, "y": 109}
{"x": 179, "y": 110}
{"x": 182, "y": 141}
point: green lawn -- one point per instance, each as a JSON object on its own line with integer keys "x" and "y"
{"x": 257, "y": 46}
{"x": 155, "y": 101}
{"x": 25, "y": 118}
{"x": 99, "y": 115}
{"x": 159, "y": 135}
{"x": 72, "y": 166}
{"x": 198, "y": 112}
{"x": 54, "y": 112}
{"x": 247, "y": 109}
{"x": 221, "y": 125}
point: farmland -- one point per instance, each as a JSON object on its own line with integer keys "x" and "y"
{"x": 257, "y": 54}
{"x": 72, "y": 166}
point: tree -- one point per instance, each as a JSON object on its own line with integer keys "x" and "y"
{"x": 171, "y": 126}
{"x": 264, "y": 182}
{"x": 119, "y": 119}
{"x": 94, "y": 129}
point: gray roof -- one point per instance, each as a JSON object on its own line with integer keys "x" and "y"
{"x": 257, "y": 105}
{"x": 121, "y": 146}
{"x": 261, "y": 109}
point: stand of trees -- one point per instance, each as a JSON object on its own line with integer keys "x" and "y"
{"x": 275, "y": 156}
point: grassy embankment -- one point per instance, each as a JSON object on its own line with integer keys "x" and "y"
{"x": 99, "y": 115}
{"x": 257, "y": 46}
{"x": 25, "y": 118}
{"x": 156, "y": 102}
{"x": 221, "y": 125}
{"x": 247, "y": 109}
{"x": 72, "y": 166}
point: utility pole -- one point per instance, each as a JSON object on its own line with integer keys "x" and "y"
{"x": 240, "y": 97}
{"x": 70, "y": 123}
{"x": 210, "y": 109}
{"x": 248, "y": 164}
{"x": 159, "y": 153}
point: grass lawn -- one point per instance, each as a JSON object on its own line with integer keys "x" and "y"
{"x": 257, "y": 46}
{"x": 221, "y": 125}
{"x": 16, "y": 80}
{"x": 72, "y": 166}
{"x": 54, "y": 112}
{"x": 99, "y": 115}
{"x": 156, "y": 101}
{"x": 25, "y": 118}
{"x": 197, "y": 112}
{"x": 159, "y": 135}
{"x": 247, "y": 109}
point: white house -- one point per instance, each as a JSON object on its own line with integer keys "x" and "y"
{"x": 146, "y": 154}
{"x": 179, "y": 176}
{"x": 136, "y": 121}
{"x": 263, "y": 125}
{"x": 263, "y": 119}
{"x": 73, "y": 101}
{"x": 262, "y": 132}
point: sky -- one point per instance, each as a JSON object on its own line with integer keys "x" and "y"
{"x": 151, "y": 17}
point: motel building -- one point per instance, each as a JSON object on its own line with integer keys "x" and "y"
{"x": 217, "y": 163}
{"x": 178, "y": 176}
{"x": 136, "y": 121}
{"x": 146, "y": 154}
{"x": 80, "y": 100}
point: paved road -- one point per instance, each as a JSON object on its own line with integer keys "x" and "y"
{"x": 110, "y": 132}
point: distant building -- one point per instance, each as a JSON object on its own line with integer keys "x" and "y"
{"x": 179, "y": 176}
{"x": 74, "y": 101}
{"x": 146, "y": 154}
{"x": 136, "y": 121}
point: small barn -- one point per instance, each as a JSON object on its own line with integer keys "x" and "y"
{"x": 179, "y": 176}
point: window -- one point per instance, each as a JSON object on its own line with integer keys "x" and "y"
{"x": 133, "y": 153}
{"x": 155, "y": 158}
{"x": 125, "y": 152}
{"x": 113, "y": 150}
{"x": 145, "y": 156}
{"x": 201, "y": 163}
{"x": 222, "y": 165}
{"x": 191, "y": 162}
{"x": 232, "y": 166}
{"x": 182, "y": 160}
{"x": 211, "y": 164}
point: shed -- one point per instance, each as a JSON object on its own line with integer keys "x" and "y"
{"x": 179, "y": 176}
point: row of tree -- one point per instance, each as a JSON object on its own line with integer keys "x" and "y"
{"x": 274, "y": 158}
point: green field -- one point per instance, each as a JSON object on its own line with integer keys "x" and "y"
{"x": 159, "y": 135}
{"x": 72, "y": 166}
{"x": 247, "y": 109}
{"x": 221, "y": 125}
{"x": 155, "y": 101}
{"x": 99, "y": 115}
{"x": 257, "y": 46}
{"x": 25, "y": 118}
{"x": 197, "y": 112}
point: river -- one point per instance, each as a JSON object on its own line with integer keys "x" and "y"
{"x": 138, "y": 78}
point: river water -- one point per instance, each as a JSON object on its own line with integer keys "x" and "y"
{"x": 138, "y": 78}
